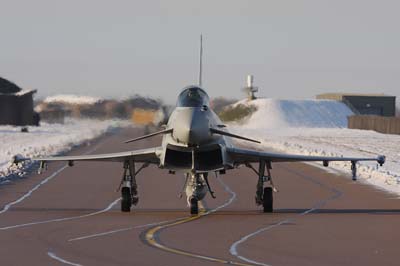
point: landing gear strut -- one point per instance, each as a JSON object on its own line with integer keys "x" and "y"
{"x": 128, "y": 185}
{"x": 264, "y": 195}
{"x": 196, "y": 187}
{"x": 205, "y": 176}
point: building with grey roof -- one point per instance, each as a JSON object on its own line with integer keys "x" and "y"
{"x": 365, "y": 104}
{"x": 16, "y": 105}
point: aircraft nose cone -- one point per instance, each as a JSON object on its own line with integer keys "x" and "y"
{"x": 192, "y": 127}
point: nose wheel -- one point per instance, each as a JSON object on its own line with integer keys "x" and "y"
{"x": 196, "y": 187}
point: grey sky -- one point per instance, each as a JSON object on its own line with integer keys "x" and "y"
{"x": 295, "y": 49}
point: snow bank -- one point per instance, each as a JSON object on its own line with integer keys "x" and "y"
{"x": 48, "y": 139}
{"x": 72, "y": 99}
{"x": 290, "y": 127}
{"x": 274, "y": 113}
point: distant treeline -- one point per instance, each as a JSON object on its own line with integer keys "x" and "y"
{"x": 235, "y": 113}
{"x": 228, "y": 111}
{"x": 123, "y": 109}
{"x": 103, "y": 109}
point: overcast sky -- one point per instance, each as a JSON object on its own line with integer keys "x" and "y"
{"x": 295, "y": 49}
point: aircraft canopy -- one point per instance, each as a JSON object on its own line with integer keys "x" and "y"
{"x": 193, "y": 97}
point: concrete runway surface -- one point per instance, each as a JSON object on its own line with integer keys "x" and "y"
{"x": 71, "y": 216}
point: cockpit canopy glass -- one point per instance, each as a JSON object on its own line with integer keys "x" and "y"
{"x": 193, "y": 97}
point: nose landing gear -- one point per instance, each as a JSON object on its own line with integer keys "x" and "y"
{"x": 194, "y": 206}
{"x": 196, "y": 187}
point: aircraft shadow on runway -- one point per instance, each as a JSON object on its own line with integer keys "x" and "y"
{"x": 222, "y": 212}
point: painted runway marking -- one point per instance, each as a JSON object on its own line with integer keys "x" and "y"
{"x": 151, "y": 235}
{"x": 109, "y": 207}
{"x": 123, "y": 230}
{"x": 44, "y": 181}
{"x": 233, "y": 249}
{"x": 29, "y": 193}
{"x": 150, "y": 224}
{"x": 55, "y": 257}
{"x": 126, "y": 229}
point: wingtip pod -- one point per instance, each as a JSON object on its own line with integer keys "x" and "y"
{"x": 381, "y": 159}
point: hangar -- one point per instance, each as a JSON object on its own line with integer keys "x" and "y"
{"x": 16, "y": 105}
{"x": 365, "y": 104}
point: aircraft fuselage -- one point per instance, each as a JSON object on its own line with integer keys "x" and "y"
{"x": 191, "y": 146}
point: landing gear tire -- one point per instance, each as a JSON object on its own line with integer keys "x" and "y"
{"x": 194, "y": 206}
{"x": 126, "y": 201}
{"x": 268, "y": 200}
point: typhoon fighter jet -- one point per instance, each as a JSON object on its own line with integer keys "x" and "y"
{"x": 196, "y": 142}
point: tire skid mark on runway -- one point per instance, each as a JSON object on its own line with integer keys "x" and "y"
{"x": 151, "y": 238}
{"x": 55, "y": 257}
{"x": 44, "y": 181}
{"x": 336, "y": 194}
{"x": 109, "y": 207}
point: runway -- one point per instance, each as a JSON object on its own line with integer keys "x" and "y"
{"x": 71, "y": 216}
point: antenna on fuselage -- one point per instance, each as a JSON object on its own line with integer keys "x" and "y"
{"x": 201, "y": 61}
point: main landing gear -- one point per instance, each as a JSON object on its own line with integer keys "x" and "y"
{"x": 264, "y": 195}
{"x": 128, "y": 185}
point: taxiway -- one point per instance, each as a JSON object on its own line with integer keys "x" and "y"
{"x": 71, "y": 216}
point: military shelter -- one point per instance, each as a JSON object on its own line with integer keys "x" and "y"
{"x": 365, "y": 104}
{"x": 16, "y": 105}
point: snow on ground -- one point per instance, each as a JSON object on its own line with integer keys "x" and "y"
{"x": 72, "y": 99}
{"x": 48, "y": 139}
{"x": 299, "y": 113}
{"x": 299, "y": 131}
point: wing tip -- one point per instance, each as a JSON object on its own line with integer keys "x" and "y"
{"x": 381, "y": 159}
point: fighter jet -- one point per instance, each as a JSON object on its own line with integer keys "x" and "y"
{"x": 197, "y": 143}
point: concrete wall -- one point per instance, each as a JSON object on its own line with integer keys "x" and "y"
{"x": 386, "y": 125}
